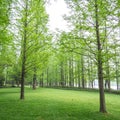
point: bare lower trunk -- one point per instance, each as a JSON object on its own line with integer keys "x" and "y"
{"x": 34, "y": 79}
{"x": 101, "y": 87}
{"x": 62, "y": 83}
{"x": 22, "y": 86}
{"x": 82, "y": 75}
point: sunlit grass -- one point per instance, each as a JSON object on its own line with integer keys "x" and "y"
{"x": 56, "y": 104}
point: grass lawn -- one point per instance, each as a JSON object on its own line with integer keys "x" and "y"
{"x": 56, "y": 104}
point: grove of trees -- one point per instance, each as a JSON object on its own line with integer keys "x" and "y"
{"x": 87, "y": 55}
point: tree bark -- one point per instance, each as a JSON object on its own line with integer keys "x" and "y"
{"x": 78, "y": 67}
{"x": 47, "y": 77}
{"x": 99, "y": 60}
{"x": 82, "y": 72}
{"x": 34, "y": 79}
{"x": 62, "y": 75}
{"x": 41, "y": 80}
{"x": 24, "y": 53}
{"x": 70, "y": 74}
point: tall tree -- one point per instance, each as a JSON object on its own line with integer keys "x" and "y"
{"x": 91, "y": 26}
{"x": 32, "y": 37}
{"x": 100, "y": 60}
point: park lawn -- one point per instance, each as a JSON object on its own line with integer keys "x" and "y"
{"x": 56, "y": 104}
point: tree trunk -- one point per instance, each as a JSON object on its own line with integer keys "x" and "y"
{"x": 41, "y": 79}
{"x": 70, "y": 74}
{"x": 65, "y": 74}
{"x": 117, "y": 79}
{"x": 62, "y": 74}
{"x": 34, "y": 79}
{"x": 107, "y": 62}
{"x": 47, "y": 77}
{"x": 24, "y": 53}
{"x": 82, "y": 72}
{"x": 78, "y": 67}
{"x": 99, "y": 60}
{"x": 116, "y": 67}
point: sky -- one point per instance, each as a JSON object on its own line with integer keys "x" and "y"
{"x": 56, "y": 10}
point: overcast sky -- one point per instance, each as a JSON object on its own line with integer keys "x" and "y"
{"x": 56, "y": 10}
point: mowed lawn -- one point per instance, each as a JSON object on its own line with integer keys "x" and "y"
{"x": 56, "y": 104}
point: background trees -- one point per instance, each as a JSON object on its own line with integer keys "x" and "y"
{"x": 6, "y": 44}
{"x": 97, "y": 30}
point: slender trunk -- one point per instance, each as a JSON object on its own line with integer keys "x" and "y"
{"x": 116, "y": 67}
{"x": 92, "y": 78}
{"x": 47, "y": 78}
{"x": 78, "y": 74}
{"x": 34, "y": 79}
{"x": 24, "y": 54}
{"x": 107, "y": 61}
{"x": 62, "y": 75}
{"x": 108, "y": 85}
{"x": 22, "y": 80}
{"x": 99, "y": 60}
{"x": 78, "y": 67}
{"x": 117, "y": 79}
{"x": 82, "y": 71}
{"x": 41, "y": 79}
{"x": 6, "y": 75}
{"x": 89, "y": 74}
{"x": 70, "y": 74}
{"x": 65, "y": 74}
{"x": 56, "y": 77}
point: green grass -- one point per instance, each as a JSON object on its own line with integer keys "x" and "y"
{"x": 56, "y": 104}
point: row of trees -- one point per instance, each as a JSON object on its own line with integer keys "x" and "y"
{"x": 88, "y": 52}
{"x": 91, "y": 47}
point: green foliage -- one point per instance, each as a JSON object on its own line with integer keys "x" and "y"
{"x": 6, "y": 45}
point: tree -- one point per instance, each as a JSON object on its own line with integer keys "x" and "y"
{"x": 32, "y": 37}
{"x": 5, "y": 39}
{"x": 99, "y": 59}
{"x": 91, "y": 23}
